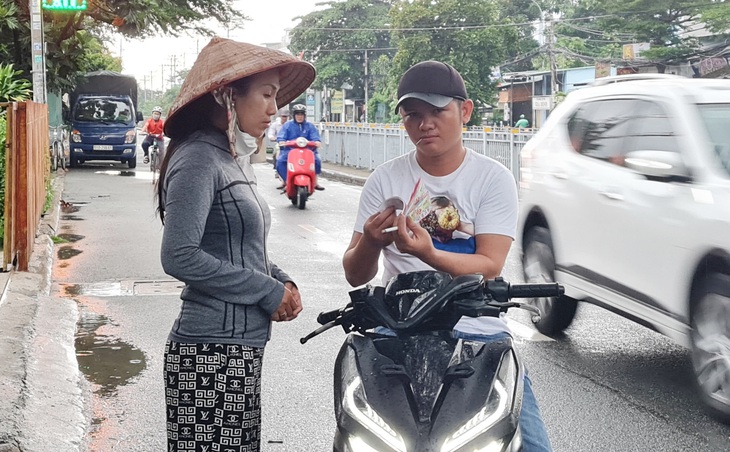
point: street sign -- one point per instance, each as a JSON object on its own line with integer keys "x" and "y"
{"x": 64, "y": 5}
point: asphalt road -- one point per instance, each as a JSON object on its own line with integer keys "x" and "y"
{"x": 608, "y": 385}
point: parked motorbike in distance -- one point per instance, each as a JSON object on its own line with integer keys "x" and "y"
{"x": 402, "y": 383}
{"x": 301, "y": 177}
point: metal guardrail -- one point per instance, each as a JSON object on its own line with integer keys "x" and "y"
{"x": 366, "y": 146}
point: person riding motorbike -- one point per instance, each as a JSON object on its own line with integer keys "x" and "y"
{"x": 274, "y": 130}
{"x": 292, "y": 130}
{"x": 153, "y": 127}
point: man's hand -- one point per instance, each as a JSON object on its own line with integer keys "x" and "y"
{"x": 318, "y": 144}
{"x": 411, "y": 238}
{"x": 372, "y": 230}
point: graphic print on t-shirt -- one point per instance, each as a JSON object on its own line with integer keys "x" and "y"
{"x": 446, "y": 227}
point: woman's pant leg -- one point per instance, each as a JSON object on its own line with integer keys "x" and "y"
{"x": 213, "y": 397}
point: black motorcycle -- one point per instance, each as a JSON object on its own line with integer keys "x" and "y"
{"x": 403, "y": 384}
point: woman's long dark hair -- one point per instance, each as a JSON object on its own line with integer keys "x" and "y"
{"x": 198, "y": 115}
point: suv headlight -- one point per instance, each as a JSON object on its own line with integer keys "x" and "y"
{"x": 130, "y": 136}
{"x": 356, "y": 405}
{"x": 497, "y": 407}
{"x": 76, "y": 136}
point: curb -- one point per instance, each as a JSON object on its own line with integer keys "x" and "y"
{"x": 37, "y": 348}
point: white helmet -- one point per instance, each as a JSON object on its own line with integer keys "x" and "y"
{"x": 157, "y": 109}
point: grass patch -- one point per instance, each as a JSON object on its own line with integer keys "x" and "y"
{"x": 57, "y": 240}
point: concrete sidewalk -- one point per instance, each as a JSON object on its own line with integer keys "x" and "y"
{"x": 41, "y": 405}
{"x": 41, "y": 397}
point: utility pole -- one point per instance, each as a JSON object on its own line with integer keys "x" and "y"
{"x": 553, "y": 63}
{"x": 38, "y": 51}
{"x": 365, "y": 118}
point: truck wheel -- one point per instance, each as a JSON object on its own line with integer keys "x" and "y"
{"x": 710, "y": 338}
{"x": 538, "y": 264}
{"x": 132, "y": 163}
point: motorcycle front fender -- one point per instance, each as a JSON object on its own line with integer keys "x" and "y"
{"x": 302, "y": 180}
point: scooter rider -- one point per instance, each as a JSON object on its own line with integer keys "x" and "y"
{"x": 275, "y": 128}
{"x": 292, "y": 130}
{"x": 153, "y": 127}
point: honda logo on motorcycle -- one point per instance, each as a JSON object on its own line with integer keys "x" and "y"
{"x": 301, "y": 162}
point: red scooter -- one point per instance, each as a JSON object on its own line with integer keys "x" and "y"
{"x": 301, "y": 177}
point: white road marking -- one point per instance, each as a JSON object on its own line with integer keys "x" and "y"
{"x": 310, "y": 228}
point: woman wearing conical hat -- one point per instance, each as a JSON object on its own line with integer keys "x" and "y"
{"x": 214, "y": 240}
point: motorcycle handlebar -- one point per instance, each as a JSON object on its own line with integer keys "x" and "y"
{"x": 328, "y": 316}
{"x": 502, "y": 291}
{"x": 536, "y": 290}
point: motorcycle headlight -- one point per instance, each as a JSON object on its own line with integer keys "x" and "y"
{"x": 130, "y": 136}
{"x": 356, "y": 405}
{"x": 497, "y": 407}
{"x": 302, "y": 142}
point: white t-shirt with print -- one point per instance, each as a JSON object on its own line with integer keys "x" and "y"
{"x": 480, "y": 197}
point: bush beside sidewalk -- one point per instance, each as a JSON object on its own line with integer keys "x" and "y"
{"x": 41, "y": 401}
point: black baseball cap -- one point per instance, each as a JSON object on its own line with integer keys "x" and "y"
{"x": 431, "y": 81}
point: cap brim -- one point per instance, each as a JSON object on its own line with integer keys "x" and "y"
{"x": 437, "y": 100}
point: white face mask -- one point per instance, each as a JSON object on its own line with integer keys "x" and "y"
{"x": 245, "y": 143}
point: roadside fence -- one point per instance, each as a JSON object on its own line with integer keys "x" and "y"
{"x": 366, "y": 146}
{"x": 26, "y": 171}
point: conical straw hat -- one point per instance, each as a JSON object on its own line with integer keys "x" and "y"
{"x": 223, "y": 61}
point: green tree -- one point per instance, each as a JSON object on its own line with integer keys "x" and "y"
{"x": 335, "y": 40}
{"x": 474, "y": 36}
{"x": 13, "y": 88}
{"x": 75, "y": 39}
{"x": 591, "y": 30}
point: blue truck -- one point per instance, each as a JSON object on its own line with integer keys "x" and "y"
{"x": 102, "y": 116}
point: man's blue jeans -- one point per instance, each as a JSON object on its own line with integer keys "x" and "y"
{"x": 534, "y": 434}
{"x": 284, "y": 155}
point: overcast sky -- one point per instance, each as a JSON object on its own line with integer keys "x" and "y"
{"x": 148, "y": 60}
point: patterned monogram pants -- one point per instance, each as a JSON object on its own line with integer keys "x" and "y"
{"x": 213, "y": 397}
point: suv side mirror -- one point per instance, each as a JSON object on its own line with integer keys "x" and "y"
{"x": 139, "y": 116}
{"x": 662, "y": 165}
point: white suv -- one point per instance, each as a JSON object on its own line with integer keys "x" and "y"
{"x": 625, "y": 200}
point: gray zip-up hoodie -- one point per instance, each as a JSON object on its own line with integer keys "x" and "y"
{"x": 214, "y": 240}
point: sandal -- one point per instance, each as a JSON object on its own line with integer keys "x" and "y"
{"x": 146, "y": 159}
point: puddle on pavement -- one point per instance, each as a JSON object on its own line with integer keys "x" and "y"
{"x": 67, "y": 252}
{"x": 100, "y": 289}
{"x": 122, "y": 288}
{"x": 105, "y": 360}
{"x": 118, "y": 173}
{"x": 71, "y": 237}
{"x": 122, "y": 173}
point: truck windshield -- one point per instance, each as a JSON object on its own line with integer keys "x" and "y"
{"x": 103, "y": 110}
{"x": 716, "y": 118}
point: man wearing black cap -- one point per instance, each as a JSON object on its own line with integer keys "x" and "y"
{"x": 461, "y": 209}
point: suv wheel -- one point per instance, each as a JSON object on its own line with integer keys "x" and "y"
{"x": 538, "y": 263}
{"x": 711, "y": 344}
{"x": 132, "y": 163}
